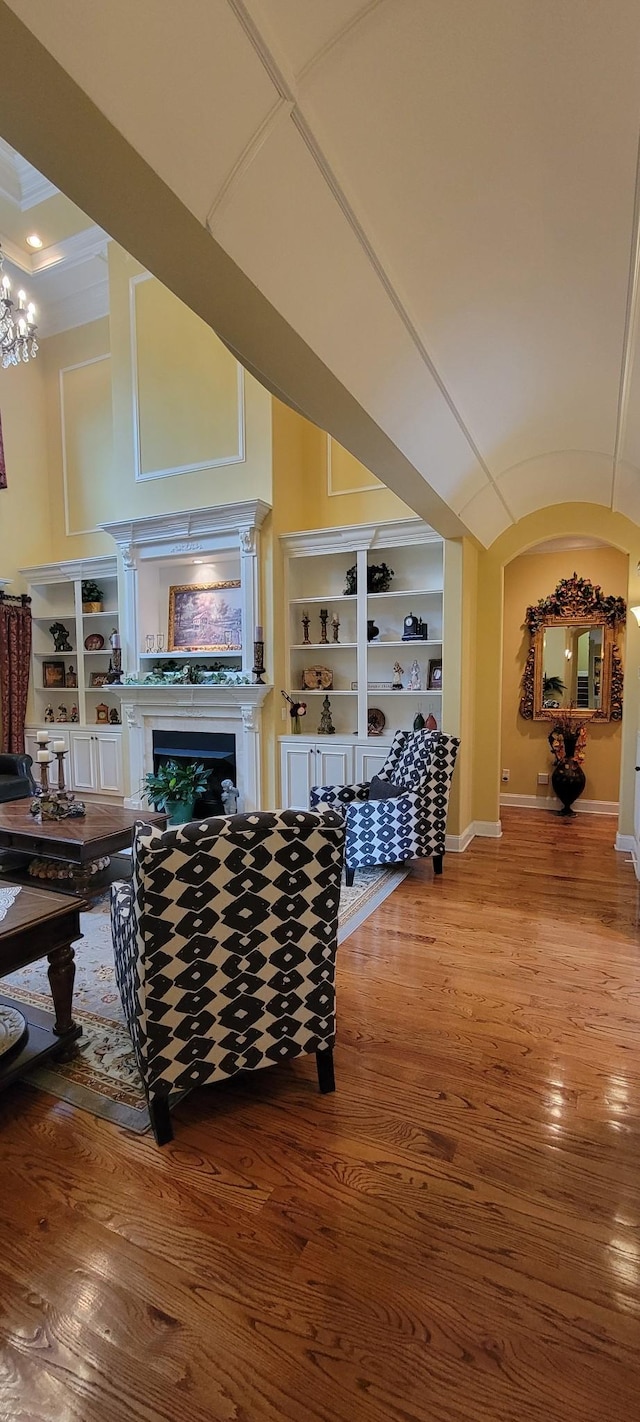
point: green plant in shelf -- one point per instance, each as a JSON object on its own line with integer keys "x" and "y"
{"x": 90, "y": 591}
{"x": 175, "y": 786}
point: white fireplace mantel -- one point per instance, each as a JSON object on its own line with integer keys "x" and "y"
{"x": 234, "y": 709}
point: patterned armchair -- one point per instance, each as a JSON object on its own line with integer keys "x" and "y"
{"x": 411, "y": 824}
{"x": 225, "y": 947}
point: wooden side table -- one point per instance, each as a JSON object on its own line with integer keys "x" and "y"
{"x": 37, "y": 925}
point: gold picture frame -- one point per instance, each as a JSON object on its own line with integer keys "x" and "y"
{"x": 200, "y": 620}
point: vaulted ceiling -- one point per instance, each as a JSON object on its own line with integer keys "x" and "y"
{"x": 440, "y": 197}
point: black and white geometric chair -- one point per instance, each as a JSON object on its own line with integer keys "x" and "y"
{"x": 402, "y": 813}
{"x": 225, "y": 946}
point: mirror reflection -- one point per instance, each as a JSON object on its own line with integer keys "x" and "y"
{"x": 572, "y": 667}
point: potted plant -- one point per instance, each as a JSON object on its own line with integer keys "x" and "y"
{"x": 91, "y": 596}
{"x": 175, "y": 787}
{"x": 568, "y": 739}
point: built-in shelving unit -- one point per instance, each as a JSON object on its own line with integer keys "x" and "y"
{"x": 316, "y": 572}
{"x": 56, "y": 596}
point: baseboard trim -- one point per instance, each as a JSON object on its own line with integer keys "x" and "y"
{"x": 482, "y": 829}
{"x": 551, "y": 802}
{"x": 487, "y": 829}
{"x": 457, "y": 843}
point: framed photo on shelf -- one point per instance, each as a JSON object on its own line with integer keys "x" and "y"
{"x": 98, "y": 679}
{"x": 434, "y": 676}
{"x": 53, "y": 674}
{"x": 205, "y": 617}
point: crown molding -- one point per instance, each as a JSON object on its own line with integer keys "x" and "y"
{"x": 395, "y": 534}
{"x": 20, "y": 181}
{"x": 76, "y": 310}
{"x": 188, "y": 526}
{"x": 106, "y": 567}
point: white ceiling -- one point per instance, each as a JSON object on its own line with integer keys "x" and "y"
{"x": 67, "y": 279}
{"x": 440, "y": 197}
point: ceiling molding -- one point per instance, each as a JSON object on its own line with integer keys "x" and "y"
{"x": 20, "y": 181}
{"x": 338, "y": 38}
{"x": 630, "y": 335}
{"x": 78, "y": 309}
{"x": 287, "y": 89}
{"x": 90, "y": 242}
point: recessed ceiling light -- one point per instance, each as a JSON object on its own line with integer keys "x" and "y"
{"x": 198, "y": 560}
{"x": 33, "y": 240}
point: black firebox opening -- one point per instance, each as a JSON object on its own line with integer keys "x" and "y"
{"x": 216, "y": 750}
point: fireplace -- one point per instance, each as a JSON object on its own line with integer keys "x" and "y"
{"x": 216, "y": 750}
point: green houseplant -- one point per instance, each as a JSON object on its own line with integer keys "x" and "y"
{"x": 175, "y": 787}
{"x": 91, "y": 596}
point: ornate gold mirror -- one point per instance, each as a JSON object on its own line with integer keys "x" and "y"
{"x": 574, "y": 663}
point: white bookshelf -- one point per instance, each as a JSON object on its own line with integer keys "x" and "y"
{"x": 56, "y": 596}
{"x": 316, "y": 564}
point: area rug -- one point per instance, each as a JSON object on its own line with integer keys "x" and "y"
{"x": 103, "y": 1077}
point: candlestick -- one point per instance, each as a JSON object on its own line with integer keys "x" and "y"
{"x": 44, "y": 757}
{"x": 258, "y": 635}
{"x": 305, "y": 628}
{"x": 42, "y": 737}
{"x": 58, "y": 746}
{"x": 258, "y": 662}
{"x": 324, "y": 614}
{"x": 60, "y": 753}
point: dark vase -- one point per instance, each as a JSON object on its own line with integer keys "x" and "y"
{"x": 568, "y": 780}
{"x": 372, "y": 630}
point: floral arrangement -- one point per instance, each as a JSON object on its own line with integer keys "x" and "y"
{"x": 296, "y": 708}
{"x": 193, "y": 676}
{"x": 575, "y": 596}
{"x": 379, "y": 577}
{"x": 568, "y": 740}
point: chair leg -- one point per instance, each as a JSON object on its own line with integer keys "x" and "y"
{"x": 437, "y": 863}
{"x": 349, "y": 876}
{"x": 160, "y": 1119}
{"x": 326, "y": 1078}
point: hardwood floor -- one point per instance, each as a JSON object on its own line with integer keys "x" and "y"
{"x": 452, "y": 1237}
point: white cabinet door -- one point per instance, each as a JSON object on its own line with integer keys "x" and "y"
{"x": 297, "y": 766}
{"x": 31, "y": 748}
{"x": 83, "y": 761}
{"x": 109, "y": 761}
{"x": 369, "y": 761}
{"x": 334, "y": 764}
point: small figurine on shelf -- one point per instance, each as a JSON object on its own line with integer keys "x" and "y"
{"x": 71, "y": 679}
{"x": 324, "y": 615}
{"x": 102, "y": 714}
{"x": 115, "y": 665}
{"x": 326, "y": 727}
{"x": 305, "y": 628}
{"x": 60, "y": 635}
{"x": 73, "y": 714}
{"x": 229, "y": 797}
{"x": 418, "y": 721}
{"x": 397, "y": 676}
{"x": 49, "y": 717}
{"x": 335, "y": 624}
{"x": 62, "y": 713}
{"x": 432, "y": 724}
{"x": 415, "y": 680}
{"x": 114, "y": 716}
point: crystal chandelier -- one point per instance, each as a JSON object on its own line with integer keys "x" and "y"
{"x": 17, "y": 327}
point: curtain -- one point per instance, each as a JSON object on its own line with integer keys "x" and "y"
{"x": 15, "y": 653}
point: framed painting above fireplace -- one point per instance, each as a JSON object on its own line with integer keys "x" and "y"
{"x": 205, "y": 617}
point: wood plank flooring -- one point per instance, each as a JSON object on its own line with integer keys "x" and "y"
{"x": 453, "y": 1237}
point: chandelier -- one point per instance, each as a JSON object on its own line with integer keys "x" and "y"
{"x": 17, "y": 327}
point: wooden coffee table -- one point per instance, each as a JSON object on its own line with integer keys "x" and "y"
{"x": 41, "y": 925}
{"x": 105, "y": 830}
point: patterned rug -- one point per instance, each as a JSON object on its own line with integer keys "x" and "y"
{"x": 103, "y": 1077}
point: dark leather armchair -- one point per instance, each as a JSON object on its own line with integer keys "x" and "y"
{"x": 16, "y": 780}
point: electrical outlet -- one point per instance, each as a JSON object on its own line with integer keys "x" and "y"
{"x": 543, "y": 777}
{"x": 506, "y": 774}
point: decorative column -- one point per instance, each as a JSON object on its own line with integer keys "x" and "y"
{"x": 251, "y": 725}
{"x": 250, "y": 577}
{"x": 129, "y": 626}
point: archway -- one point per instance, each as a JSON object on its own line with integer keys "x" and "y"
{"x": 567, "y": 521}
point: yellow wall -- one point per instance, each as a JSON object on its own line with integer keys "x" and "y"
{"x": 560, "y": 520}
{"x": 525, "y": 749}
{"x": 458, "y": 673}
{"x": 24, "y": 504}
{"x": 328, "y": 473}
